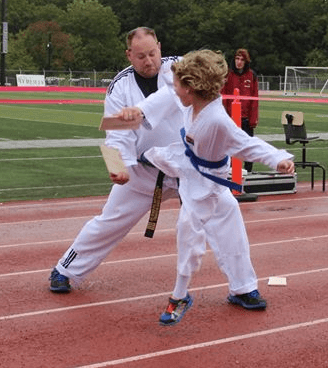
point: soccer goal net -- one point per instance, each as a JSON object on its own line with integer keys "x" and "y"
{"x": 306, "y": 80}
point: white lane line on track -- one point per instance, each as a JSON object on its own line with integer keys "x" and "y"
{"x": 206, "y": 344}
{"x": 152, "y": 258}
{"x": 46, "y": 220}
{"x": 55, "y": 186}
{"x": 298, "y": 239}
{"x": 47, "y": 158}
{"x": 286, "y": 217}
{"x": 36, "y": 243}
{"x": 71, "y": 240}
{"x": 137, "y": 298}
{"x": 50, "y": 204}
{"x": 141, "y": 233}
{"x": 89, "y": 217}
{"x": 308, "y": 199}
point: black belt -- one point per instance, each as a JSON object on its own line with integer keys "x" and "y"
{"x": 157, "y": 199}
{"x": 156, "y": 205}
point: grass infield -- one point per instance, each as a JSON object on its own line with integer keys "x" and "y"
{"x": 34, "y": 174}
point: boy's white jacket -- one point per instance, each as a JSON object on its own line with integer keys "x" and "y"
{"x": 214, "y": 135}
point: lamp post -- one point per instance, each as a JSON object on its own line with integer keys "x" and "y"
{"x": 49, "y": 52}
{"x": 4, "y": 41}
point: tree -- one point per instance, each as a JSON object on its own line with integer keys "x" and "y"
{"x": 276, "y": 32}
{"x": 162, "y": 16}
{"x": 98, "y": 29}
{"x": 184, "y": 29}
{"x": 127, "y": 11}
{"x": 18, "y": 57}
{"x": 317, "y": 58}
{"x": 48, "y": 46}
{"x": 48, "y": 12}
{"x": 20, "y": 14}
{"x": 62, "y": 4}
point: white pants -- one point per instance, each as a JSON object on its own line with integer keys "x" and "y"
{"x": 219, "y": 223}
{"x": 99, "y": 236}
{"x": 216, "y": 220}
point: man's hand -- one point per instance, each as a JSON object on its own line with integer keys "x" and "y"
{"x": 131, "y": 113}
{"x": 119, "y": 178}
{"x": 127, "y": 118}
{"x": 286, "y": 167}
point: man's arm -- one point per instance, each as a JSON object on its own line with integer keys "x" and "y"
{"x": 123, "y": 140}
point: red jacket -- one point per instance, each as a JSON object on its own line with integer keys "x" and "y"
{"x": 247, "y": 84}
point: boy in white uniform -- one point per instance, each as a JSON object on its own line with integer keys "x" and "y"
{"x": 131, "y": 196}
{"x": 209, "y": 213}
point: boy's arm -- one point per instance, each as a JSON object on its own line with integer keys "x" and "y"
{"x": 286, "y": 167}
{"x": 152, "y": 110}
{"x": 159, "y": 105}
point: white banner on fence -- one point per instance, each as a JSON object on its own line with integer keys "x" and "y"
{"x": 30, "y": 80}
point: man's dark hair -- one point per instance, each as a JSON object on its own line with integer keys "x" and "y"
{"x": 139, "y": 30}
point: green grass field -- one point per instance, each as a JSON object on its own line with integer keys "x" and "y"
{"x": 34, "y": 174}
{"x": 316, "y": 121}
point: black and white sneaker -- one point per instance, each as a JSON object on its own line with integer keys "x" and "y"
{"x": 59, "y": 283}
{"x": 250, "y": 300}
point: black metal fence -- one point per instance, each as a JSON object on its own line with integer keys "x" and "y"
{"x": 102, "y": 78}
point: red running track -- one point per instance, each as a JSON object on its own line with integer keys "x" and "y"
{"x": 111, "y": 319}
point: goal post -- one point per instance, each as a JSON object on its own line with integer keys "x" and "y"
{"x": 306, "y": 80}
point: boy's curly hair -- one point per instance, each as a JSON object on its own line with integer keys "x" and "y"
{"x": 204, "y": 71}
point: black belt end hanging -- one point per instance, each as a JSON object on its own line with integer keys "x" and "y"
{"x": 155, "y": 207}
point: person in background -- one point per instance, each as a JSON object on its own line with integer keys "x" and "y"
{"x": 241, "y": 76}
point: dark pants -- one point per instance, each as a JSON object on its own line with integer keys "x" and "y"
{"x": 250, "y": 131}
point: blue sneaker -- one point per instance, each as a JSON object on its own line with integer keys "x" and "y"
{"x": 175, "y": 310}
{"x": 59, "y": 283}
{"x": 250, "y": 300}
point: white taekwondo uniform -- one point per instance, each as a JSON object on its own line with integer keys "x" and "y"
{"x": 127, "y": 203}
{"x": 209, "y": 212}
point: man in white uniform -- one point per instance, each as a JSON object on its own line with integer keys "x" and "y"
{"x": 132, "y": 193}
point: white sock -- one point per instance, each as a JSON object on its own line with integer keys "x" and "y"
{"x": 181, "y": 287}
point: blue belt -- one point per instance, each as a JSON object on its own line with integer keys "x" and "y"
{"x": 197, "y": 161}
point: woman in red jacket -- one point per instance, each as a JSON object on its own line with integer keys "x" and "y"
{"x": 241, "y": 76}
